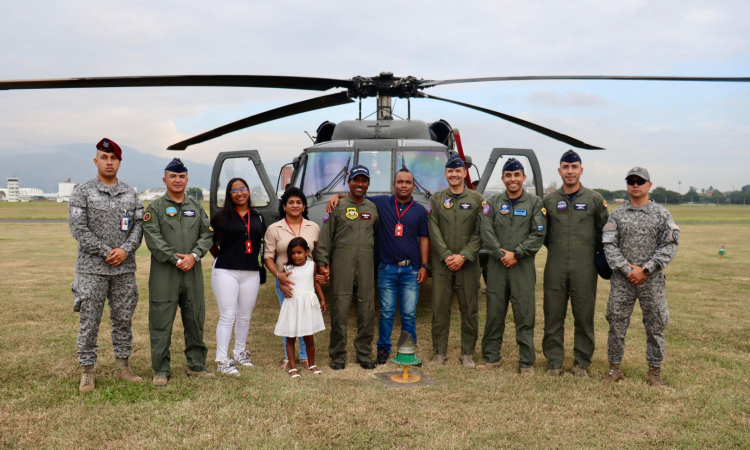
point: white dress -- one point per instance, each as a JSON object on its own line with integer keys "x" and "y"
{"x": 301, "y": 314}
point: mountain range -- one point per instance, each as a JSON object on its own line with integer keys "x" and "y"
{"x": 45, "y": 168}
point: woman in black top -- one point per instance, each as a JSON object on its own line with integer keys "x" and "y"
{"x": 235, "y": 278}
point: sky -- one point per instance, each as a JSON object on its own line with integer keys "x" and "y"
{"x": 694, "y": 133}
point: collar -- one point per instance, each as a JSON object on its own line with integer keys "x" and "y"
{"x": 647, "y": 208}
{"x": 563, "y": 194}
{"x": 393, "y": 197}
{"x": 305, "y": 223}
{"x": 518, "y": 199}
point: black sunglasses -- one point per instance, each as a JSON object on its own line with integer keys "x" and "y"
{"x": 636, "y": 181}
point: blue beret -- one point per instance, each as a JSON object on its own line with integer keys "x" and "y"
{"x": 512, "y": 164}
{"x": 358, "y": 170}
{"x": 176, "y": 166}
{"x": 454, "y": 162}
{"x": 570, "y": 157}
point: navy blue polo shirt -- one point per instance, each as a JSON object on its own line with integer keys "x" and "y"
{"x": 389, "y": 248}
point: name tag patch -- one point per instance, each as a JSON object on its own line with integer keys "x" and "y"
{"x": 581, "y": 206}
{"x": 465, "y": 205}
{"x": 366, "y": 216}
{"x": 540, "y": 228}
{"x": 188, "y": 213}
{"x": 519, "y": 212}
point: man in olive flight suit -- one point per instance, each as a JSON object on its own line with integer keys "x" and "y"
{"x": 513, "y": 226}
{"x": 453, "y": 220}
{"x": 178, "y": 234}
{"x": 345, "y": 252}
{"x": 576, "y": 217}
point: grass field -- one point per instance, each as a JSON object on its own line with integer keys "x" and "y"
{"x": 706, "y": 404}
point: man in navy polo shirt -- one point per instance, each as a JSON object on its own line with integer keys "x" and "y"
{"x": 403, "y": 248}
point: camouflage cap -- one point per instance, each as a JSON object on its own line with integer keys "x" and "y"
{"x": 638, "y": 172}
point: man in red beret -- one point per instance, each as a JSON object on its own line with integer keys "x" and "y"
{"x": 106, "y": 218}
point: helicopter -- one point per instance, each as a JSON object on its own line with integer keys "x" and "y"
{"x": 384, "y": 144}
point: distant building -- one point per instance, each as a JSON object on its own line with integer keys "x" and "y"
{"x": 14, "y": 194}
{"x": 2, "y": 195}
{"x": 64, "y": 190}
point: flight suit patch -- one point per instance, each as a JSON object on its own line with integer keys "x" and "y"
{"x": 544, "y": 212}
{"x": 188, "y": 213}
{"x": 519, "y": 212}
{"x": 429, "y": 208}
{"x": 486, "y": 209}
{"x": 147, "y": 217}
{"x": 562, "y": 205}
{"x": 448, "y": 202}
{"x": 540, "y": 228}
{"x": 465, "y": 205}
{"x": 604, "y": 202}
{"x": 326, "y": 216}
{"x": 581, "y": 206}
{"x": 171, "y": 211}
{"x": 351, "y": 213}
{"x": 505, "y": 209}
{"x": 366, "y": 216}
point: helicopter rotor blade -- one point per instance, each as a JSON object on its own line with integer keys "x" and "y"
{"x": 255, "y": 81}
{"x": 431, "y": 83}
{"x": 326, "y": 101}
{"x": 531, "y": 126}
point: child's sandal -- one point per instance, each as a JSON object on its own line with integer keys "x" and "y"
{"x": 294, "y": 375}
{"x": 315, "y": 370}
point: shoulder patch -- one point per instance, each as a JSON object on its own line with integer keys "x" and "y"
{"x": 485, "y": 208}
{"x": 610, "y": 226}
{"x": 544, "y": 212}
{"x": 429, "y": 208}
{"x": 147, "y": 217}
{"x": 604, "y": 202}
{"x": 326, "y": 216}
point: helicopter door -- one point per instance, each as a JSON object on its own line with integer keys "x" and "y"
{"x": 244, "y": 164}
{"x": 491, "y": 182}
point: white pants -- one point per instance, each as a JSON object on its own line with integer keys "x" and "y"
{"x": 236, "y": 292}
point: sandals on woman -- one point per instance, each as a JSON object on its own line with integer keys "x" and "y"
{"x": 284, "y": 365}
{"x": 294, "y": 375}
{"x": 314, "y": 369}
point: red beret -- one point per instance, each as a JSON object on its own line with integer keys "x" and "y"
{"x": 109, "y": 146}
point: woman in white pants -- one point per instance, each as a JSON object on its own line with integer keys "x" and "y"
{"x": 238, "y": 230}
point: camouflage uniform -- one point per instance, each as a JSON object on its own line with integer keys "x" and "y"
{"x": 643, "y": 236}
{"x": 96, "y": 212}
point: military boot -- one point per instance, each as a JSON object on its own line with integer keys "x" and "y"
{"x": 468, "y": 361}
{"x": 526, "y": 371}
{"x": 87, "y": 379}
{"x": 554, "y": 372}
{"x": 614, "y": 375}
{"x": 123, "y": 372}
{"x": 654, "y": 376}
{"x": 438, "y": 360}
{"x": 580, "y": 371}
{"x": 201, "y": 374}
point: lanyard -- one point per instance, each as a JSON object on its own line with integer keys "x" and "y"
{"x": 290, "y": 227}
{"x": 402, "y": 214}
{"x": 247, "y": 224}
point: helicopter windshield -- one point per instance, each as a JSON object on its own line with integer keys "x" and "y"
{"x": 322, "y": 168}
{"x": 379, "y": 164}
{"x": 428, "y": 167}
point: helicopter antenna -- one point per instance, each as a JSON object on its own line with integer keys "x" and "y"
{"x": 311, "y": 138}
{"x": 408, "y": 101}
{"x": 360, "y": 108}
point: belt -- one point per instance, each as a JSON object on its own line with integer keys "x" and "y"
{"x": 404, "y": 263}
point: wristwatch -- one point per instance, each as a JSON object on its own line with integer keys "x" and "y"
{"x": 197, "y": 258}
{"x": 645, "y": 270}
{"x": 517, "y": 255}
{"x": 426, "y": 266}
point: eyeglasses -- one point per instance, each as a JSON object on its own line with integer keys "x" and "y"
{"x": 237, "y": 191}
{"x": 636, "y": 181}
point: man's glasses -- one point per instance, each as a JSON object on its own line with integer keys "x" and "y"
{"x": 237, "y": 191}
{"x": 636, "y": 181}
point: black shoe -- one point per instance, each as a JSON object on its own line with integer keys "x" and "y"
{"x": 338, "y": 366}
{"x": 383, "y": 356}
{"x": 368, "y": 365}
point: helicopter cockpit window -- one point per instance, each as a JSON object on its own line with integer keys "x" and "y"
{"x": 322, "y": 168}
{"x": 379, "y": 164}
{"x": 241, "y": 168}
{"x": 428, "y": 167}
{"x": 495, "y": 184}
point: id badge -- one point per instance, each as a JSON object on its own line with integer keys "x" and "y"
{"x": 248, "y": 247}
{"x": 399, "y": 230}
{"x": 124, "y": 223}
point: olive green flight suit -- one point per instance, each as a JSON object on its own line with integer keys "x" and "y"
{"x": 347, "y": 243}
{"x": 171, "y": 228}
{"x": 520, "y": 230}
{"x": 574, "y": 228}
{"x": 453, "y": 221}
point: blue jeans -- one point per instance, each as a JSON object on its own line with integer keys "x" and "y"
{"x": 397, "y": 282}
{"x": 302, "y": 347}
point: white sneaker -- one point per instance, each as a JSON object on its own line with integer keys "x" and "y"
{"x": 243, "y": 358}
{"x": 226, "y": 367}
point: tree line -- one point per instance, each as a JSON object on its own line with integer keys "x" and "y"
{"x": 665, "y": 196}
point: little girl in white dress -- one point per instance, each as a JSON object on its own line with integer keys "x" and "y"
{"x": 301, "y": 315}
